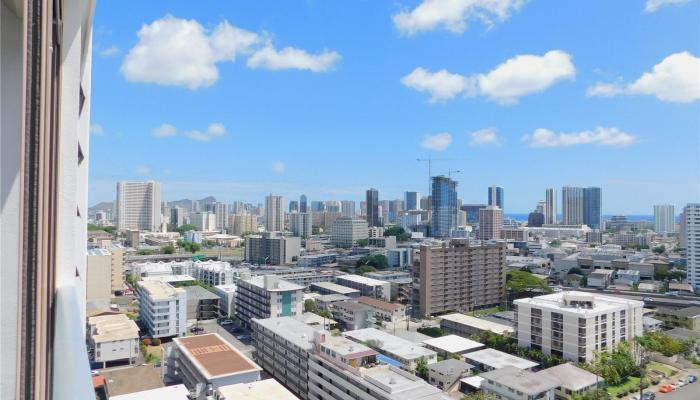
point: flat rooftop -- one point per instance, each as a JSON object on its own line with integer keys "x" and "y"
{"x": 600, "y": 303}
{"x": 399, "y": 384}
{"x": 176, "y": 392}
{"x": 527, "y": 382}
{"x": 390, "y": 343}
{"x": 478, "y": 323}
{"x": 362, "y": 280}
{"x": 380, "y": 304}
{"x": 158, "y": 290}
{"x": 453, "y": 344}
{"x": 293, "y": 330}
{"x": 450, "y": 366}
{"x": 497, "y": 359}
{"x": 113, "y": 327}
{"x": 98, "y": 252}
{"x": 274, "y": 283}
{"x": 329, "y": 298}
{"x": 199, "y": 293}
{"x": 334, "y": 287}
{"x": 213, "y": 356}
{"x": 570, "y": 376}
{"x": 258, "y": 390}
{"x": 168, "y": 278}
{"x": 347, "y": 348}
{"x": 131, "y": 380}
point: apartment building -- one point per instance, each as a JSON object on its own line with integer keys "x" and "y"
{"x": 346, "y": 232}
{"x": 113, "y": 337}
{"x": 138, "y": 206}
{"x": 268, "y": 296}
{"x": 207, "y": 362}
{"x": 227, "y": 302}
{"x": 367, "y": 286}
{"x": 301, "y": 224}
{"x": 324, "y": 288}
{"x": 352, "y": 315}
{"x": 163, "y": 309}
{"x": 317, "y": 260}
{"x": 511, "y": 383}
{"x": 272, "y": 249}
{"x": 691, "y": 233}
{"x": 204, "y": 221}
{"x": 274, "y": 213}
{"x": 405, "y": 352}
{"x": 457, "y": 275}
{"x": 383, "y": 310}
{"x": 490, "y": 223}
{"x": 573, "y": 325}
{"x": 98, "y": 287}
{"x": 240, "y": 224}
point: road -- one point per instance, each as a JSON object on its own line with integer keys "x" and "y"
{"x": 687, "y": 392}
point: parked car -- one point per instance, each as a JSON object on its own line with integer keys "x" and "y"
{"x": 226, "y": 322}
{"x": 692, "y": 379}
{"x": 647, "y": 299}
{"x": 681, "y": 382}
{"x": 649, "y": 396}
{"x": 666, "y": 389}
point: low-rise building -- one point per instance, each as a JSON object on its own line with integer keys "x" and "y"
{"x": 450, "y": 345}
{"x": 466, "y": 326}
{"x": 511, "y": 383}
{"x": 400, "y": 257}
{"x": 571, "y": 380}
{"x": 401, "y": 350}
{"x": 325, "y": 288}
{"x": 326, "y": 301}
{"x": 492, "y": 359}
{"x": 352, "y": 315}
{"x": 627, "y": 277}
{"x": 201, "y": 303}
{"x": 384, "y": 242}
{"x": 688, "y": 317}
{"x": 385, "y": 311}
{"x": 268, "y": 296}
{"x": 207, "y": 362}
{"x": 163, "y": 309}
{"x": 446, "y": 373}
{"x": 367, "y": 286}
{"x": 600, "y": 278}
{"x": 113, "y": 337}
{"x": 259, "y": 390}
{"x": 227, "y": 299}
{"x": 317, "y": 260}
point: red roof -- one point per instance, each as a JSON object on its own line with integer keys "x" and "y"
{"x": 98, "y": 381}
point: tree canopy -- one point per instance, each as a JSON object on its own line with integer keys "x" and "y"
{"x": 186, "y": 227}
{"x": 523, "y": 281}
{"x": 399, "y": 232}
{"x": 378, "y": 261}
{"x": 664, "y": 344}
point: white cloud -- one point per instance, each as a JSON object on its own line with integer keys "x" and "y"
{"x": 437, "y": 142}
{"x": 165, "y": 130}
{"x": 519, "y": 76}
{"x": 180, "y": 52}
{"x": 143, "y": 170}
{"x": 441, "y": 85}
{"x": 484, "y": 136}
{"x": 675, "y": 79}
{"x": 213, "y": 131}
{"x": 110, "y": 51}
{"x": 278, "y": 167}
{"x": 453, "y": 15}
{"x": 654, "y": 5}
{"x": 97, "y": 129}
{"x": 270, "y": 58}
{"x": 602, "y": 136}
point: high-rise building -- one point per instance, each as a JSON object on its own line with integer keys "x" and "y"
{"x": 268, "y": 296}
{"x": 444, "y": 206}
{"x": 535, "y": 219}
{"x": 373, "y": 216}
{"x": 138, "y": 206}
{"x": 204, "y": 221}
{"x": 592, "y": 206}
{"x": 272, "y": 249}
{"x": 221, "y": 215}
{"x": 240, "y": 224}
{"x": 347, "y": 208}
{"x": 496, "y": 196}
{"x": 274, "y": 213}
{"x": 664, "y": 218}
{"x": 318, "y": 206}
{"x": 541, "y": 205}
{"x": 301, "y": 224}
{"x": 303, "y": 204}
{"x": 458, "y": 276}
{"x": 572, "y": 205}
{"x": 177, "y": 216}
{"x": 550, "y": 208}
{"x": 396, "y": 207}
{"x": 346, "y": 232}
{"x": 411, "y": 200}
{"x": 425, "y": 203}
{"x": 691, "y": 212}
{"x": 490, "y": 223}
{"x": 472, "y": 211}
{"x": 293, "y": 206}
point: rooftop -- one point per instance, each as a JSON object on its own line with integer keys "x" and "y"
{"x": 478, "y": 323}
{"x": 498, "y": 359}
{"x": 347, "y": 348}
{"x": 473, "y": 381}
{"x": 199, "y": 293}
{"x": 450, "y": 366}
{"x": 310, "y": 318}
{"x": 213, "y": 356}
{"x": 339, "y": 289}
{"x": 401, "y": 385}
{"x": 329, "y": 298}
{"x": 109, "y": 328}
{"x": 391, "y": 344}
{"x": 362, "y": 280}
{"x": 570, "y": 376}
{"x": 176, "y": 392}
{"x": 98, "y": 252}
{"x": 291, "y": 329}
{"x": 273, "y": 283}
{"x": 524, "y": 381}
{"x": 571, "y": 301}
{"x": 453, "y": 344}
{"x": 168, "y": 278}
{"x": 159, "y": 290}
{"x": 380, "y": 304}
{"x": 688, "y": 312}
{"x": 352, "y": 306}
{"x": 258, "y": 390}
{"x": 130, "y": 380}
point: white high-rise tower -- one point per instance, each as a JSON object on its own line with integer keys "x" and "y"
{"x": 138, "y": 206}
{"x": 550, "y": 209}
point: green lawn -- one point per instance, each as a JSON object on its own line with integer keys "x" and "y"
{"x": 632, "y": 381}
{"x": 665, "y": 369}
{"x": 485, "y": 311}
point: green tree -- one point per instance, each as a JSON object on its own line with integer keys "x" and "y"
{"x": 310, "y": 306}
{"x": 661, "y": 249}
{"x": 169, "y": 249}
{"x": 432, "y": 331}
{"x": 378, "y": 261}
{"x": 145, "y": 252}
{"x": 325, "y": 313}
{"x": 576, "y": 270}
{"x": 362, "y": 242}
{"x": 186, "y": 227}
{"x": 399, "y": 232}
{"x": 555, "y": 243}
{"x": 365, "y": 269}
{"x": 422, "y": 368}
{"x": 519, "y": 282}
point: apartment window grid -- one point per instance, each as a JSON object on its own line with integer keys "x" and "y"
{"x": 536, "y": 329}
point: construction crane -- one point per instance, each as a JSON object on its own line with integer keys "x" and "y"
{"x": 430, "y": 160}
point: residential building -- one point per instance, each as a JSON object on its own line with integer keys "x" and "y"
{"x": 258, "y": 390}
{"x": 383, "y": 310}
{"x": 268, "y": 296}
{"x": 444, "y": 206}
{"x": 572, "y": 205}
{"x": 496, "y": 196}
{"x": 227, "y": 299}
{"x": 592, "y": 207}
{"x": 411, "y": 200}
{"x": 201, "y": 303}
{"x": 367, "y": 286}
{"x": 162, "y": 309}
{"x": 347, "y": 208}
{"x": 204, "y": 221}
{"x": 664, "y": 219}
{"x": 113, "y": 337}
{"x": 446, "y": 373}
{"x": 204, "y": 363}
{"x": 467, "y": 326}
{"x": 274, "y": 213}
{"x": 511, "y": 383}
{"x": 550, "y": 208}
{"x": 571, "y": 380}
{"x": 138, "y": 206}
{"x": 457, "y": 275}
{"x": 375, "y": 231}
{"x": 452, "y": 345}
{"x": 352, "y": 315}
{"x": 272, "y": 248}
{"x": 301, "y": 224}
{"x": 394, "y": 347}
{"x": 372, "y": 213}
{"x": 490, "y": 223}
{"x": 177, "y": 216}
{"x": 691, "y": 212}
{"x": 98, "y": 280}
{"x": 574, "y": 325}
{"x": 244, "y": 223}
{"x": 491, "y": 359}
{"x": 384, "y": 242}
{"x": 221, "y": 215}
{"x": 317, "y": 260}
{"x": 346, "y": 232}
{"x": 324, "y": 288}
{"x": 293, "y": 206}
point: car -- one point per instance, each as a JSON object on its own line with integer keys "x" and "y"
{"x": 647, "y": 299}
{"x": 666, "y": 389}
{"x": 649, "y": 396}
{"x": 692, "y": 378}
{"x": 635, "y": 397}
{"x": 673, "y": 294}
{"x": 226, "y": 322}
{"x": 681, "y": 382}
{"x": 675, "y": 385}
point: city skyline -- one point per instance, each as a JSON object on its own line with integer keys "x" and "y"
{"x": 225, "y": 134}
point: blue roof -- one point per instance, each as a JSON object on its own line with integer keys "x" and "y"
{"x": 388, "y": 360}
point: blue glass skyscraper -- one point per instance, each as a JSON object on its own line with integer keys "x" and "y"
{"x": 303, "y": 205}
{"x": 444, "y": 206}
{"x": 592, "y": 206}
{"x": 412, "y": 200}
{"x": 496, "y": 196}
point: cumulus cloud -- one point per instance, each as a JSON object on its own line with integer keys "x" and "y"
{"x": 165, "y": 130}
{"x": 270, "y": 58}
{"x": 653, "y": 5}
{"x": 484, "y": 137}
{"x": 675, "y": 79}
{"x": 110, "y": 51}
{"x": 213, "y": 131}
{"x": 181, "y": 52}
{"x": 441, "y": 85}
{"x": 519, "y": 76}
{"x": 601, "y": 136}
{"x": 453, "y": 15}
{"x": 437, "y": 142}
{"x": 278, "y": 167}
{"x": 97, "y": 129}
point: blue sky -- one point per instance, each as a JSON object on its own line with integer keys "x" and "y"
{"x": 329, "y": 98}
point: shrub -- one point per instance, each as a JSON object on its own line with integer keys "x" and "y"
{"x": 155, "y": 342}
{"x": 147, "y": 342}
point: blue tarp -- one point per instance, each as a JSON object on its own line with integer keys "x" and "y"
{"x": 388, "y": 360}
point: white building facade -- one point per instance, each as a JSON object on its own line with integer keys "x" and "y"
{"x": 691, "y": 214}
{"x": 163, "y": 309}
{"x": 138, "y": 206}
{"x": 664, "y": 218}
